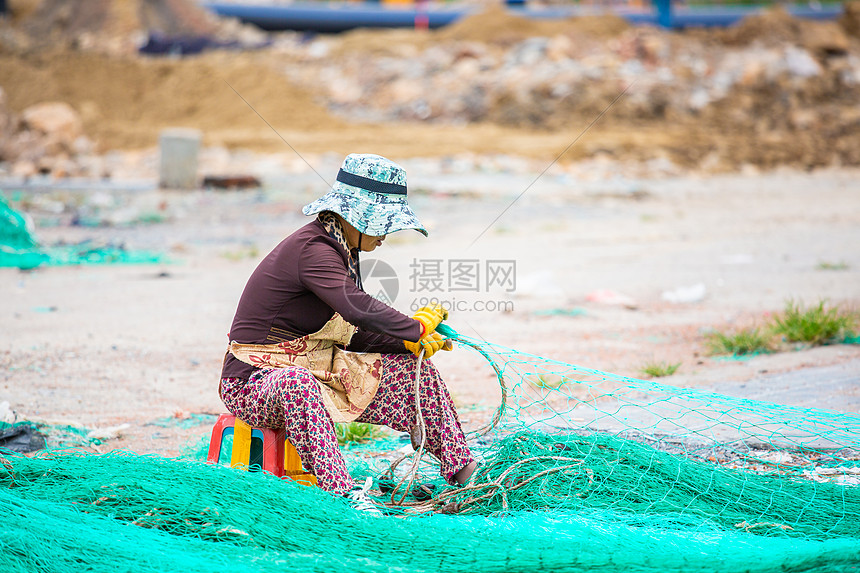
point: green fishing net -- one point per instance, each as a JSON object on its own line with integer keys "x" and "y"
{"x": 19, "y": 247}
{"x": 581, "y": 470}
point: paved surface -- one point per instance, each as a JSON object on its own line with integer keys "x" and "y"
{"x": 812, "y": 407}
{"x": 834, "y": 387}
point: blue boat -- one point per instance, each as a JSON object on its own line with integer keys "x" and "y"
{"x": 334, "y": 17}
{"x": 340, "y": 17}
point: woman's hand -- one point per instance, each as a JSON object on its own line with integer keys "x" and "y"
{"x": 430, "y": 316}
{"x": 431, "y": 344}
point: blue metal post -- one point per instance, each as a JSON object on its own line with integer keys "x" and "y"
{"x": 664, "y": 12}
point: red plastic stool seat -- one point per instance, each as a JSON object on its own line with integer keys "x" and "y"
{"x": 278, "y": 455}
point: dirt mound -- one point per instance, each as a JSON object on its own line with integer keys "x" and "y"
{"x": 395, "y": 42}
{"x": 497, "y": 25}
{"x": 113, "y": 24}
{"x": 494, "y": 25}
{"x": 770, "y": 27}
{"x": 850, "y": 19}
{"x": 21, "y": 9}
{"x": 775, "y": 26}
{"x": 124, "y": 103}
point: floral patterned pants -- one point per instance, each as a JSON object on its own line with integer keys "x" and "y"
{"x": 291, "y": 398}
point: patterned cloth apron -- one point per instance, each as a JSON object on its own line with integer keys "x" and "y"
{"x": 348, "y": 380}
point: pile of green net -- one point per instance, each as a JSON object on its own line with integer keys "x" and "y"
{"x": 584, "y": 471}
{"x": 19, "y": 247}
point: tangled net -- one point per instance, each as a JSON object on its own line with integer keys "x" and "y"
{"x": 581, "y": 471}
{"x": 20, "y": 248}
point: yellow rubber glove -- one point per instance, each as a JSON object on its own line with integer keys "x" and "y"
{"x": 431, "y": 344}
{"x": 430, "y": 316}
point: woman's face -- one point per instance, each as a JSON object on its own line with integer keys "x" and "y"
{"x": 369, "y": 243}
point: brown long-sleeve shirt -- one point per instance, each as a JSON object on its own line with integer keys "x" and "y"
{"x": 298, "y": 287}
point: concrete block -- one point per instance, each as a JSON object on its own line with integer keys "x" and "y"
{"x": 179, "y": 149}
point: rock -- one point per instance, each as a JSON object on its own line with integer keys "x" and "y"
{"x": 560, "y": 47}
{"x": 781, "y": 458}
{"x": 57, "y": 121}
{"x": 83, "y": 145}
{"x": 528, "y": 52}
{"x": 7, "y": 415}
{"x": 346, "y": 91}
{"x": 404, "y": 91}
{"x": 466, "y": 69}
{"x": 699, "y": 99}
{"x": 850, "y": 73}
{"x": 24, "y": 168}
{"x": 801, "y": 64}
{"x": 108, "y": 433}
{"x": 754, "y": 71}
{"x": 64, "y": 167}
{"x": 24, "y": 145}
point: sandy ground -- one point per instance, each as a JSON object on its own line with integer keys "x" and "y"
{"x": 101, "y": 346}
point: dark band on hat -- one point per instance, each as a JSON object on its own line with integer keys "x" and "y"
{"x": 370, "y": 184}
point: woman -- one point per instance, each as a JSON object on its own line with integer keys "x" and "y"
{"x": 309, "y": 347}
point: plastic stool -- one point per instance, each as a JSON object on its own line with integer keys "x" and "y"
{"x": 264, "y": 447}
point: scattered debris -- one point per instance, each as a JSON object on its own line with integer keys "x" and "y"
{"x": 7, "y": 415}
{"x": 776, "y": 457}
{"x": 560, "y": 312}
{"x": 611, "y": 298}
{"x": 231, "y": 182}
{"x": 840, "y": 475}
{"x": 689, "y": 294}
{"x": 22, "y": 437}
{"x": 108, "y": 433}
{"x": 749, "y": 526}
{"x": 184, "y": 420}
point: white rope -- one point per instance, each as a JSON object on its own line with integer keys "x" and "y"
{"x": 422, "y": 432}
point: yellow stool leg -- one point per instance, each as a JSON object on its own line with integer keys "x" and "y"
{"x": 293, "y": 466}
{"x": 241, "y": 455}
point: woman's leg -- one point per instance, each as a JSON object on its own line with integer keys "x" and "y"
{"x": 290, "y": 398}
{"x": 394, "y": 406}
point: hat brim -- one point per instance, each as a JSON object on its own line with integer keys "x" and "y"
{"x": 371, "y": 213}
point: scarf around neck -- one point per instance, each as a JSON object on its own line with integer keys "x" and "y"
{"x": 335, "y": 231}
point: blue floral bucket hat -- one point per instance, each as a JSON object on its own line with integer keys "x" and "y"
{"x": 370, "y": 194}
